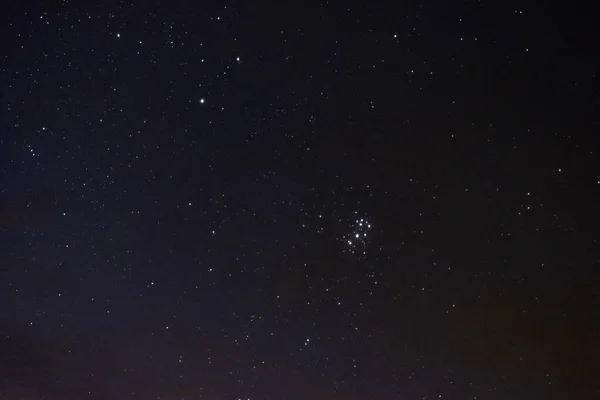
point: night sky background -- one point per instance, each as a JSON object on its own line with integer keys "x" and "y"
{"x": 290, "y": 200}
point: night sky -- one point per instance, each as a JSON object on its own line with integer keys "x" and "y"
{"x": 290, "y": 200}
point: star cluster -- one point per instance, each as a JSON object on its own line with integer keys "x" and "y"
{"x": 357, "y": 238}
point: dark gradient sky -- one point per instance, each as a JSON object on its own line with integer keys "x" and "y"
{"x": 182, "y": 184}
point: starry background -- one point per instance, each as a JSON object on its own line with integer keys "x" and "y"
{"x": 183, "y": 183}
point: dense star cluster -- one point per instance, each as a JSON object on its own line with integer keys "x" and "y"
{"x": 358, "y": 200}
{"x": 357, "y": 238}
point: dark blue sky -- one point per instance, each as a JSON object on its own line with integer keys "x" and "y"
{"x": 335, "y": 200}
